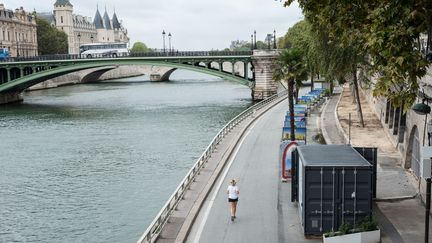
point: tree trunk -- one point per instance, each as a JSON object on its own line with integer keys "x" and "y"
{"x": 331, "y": 88}
{"x": 291, "y": 107}
{"x": 356, "y": 90}
{"x": 312, "y": 81}
{"x": 354, "y": 95}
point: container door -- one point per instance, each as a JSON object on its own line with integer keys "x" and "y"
{"x": 321, "y": 214}
{"x": 356, "y": 195}
{"x": 294, "y": 179}
{"x": 370, "y": 154}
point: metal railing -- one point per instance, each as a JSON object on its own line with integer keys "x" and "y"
{"x": 140, "y": 54}
{"x": 153, "y": 231}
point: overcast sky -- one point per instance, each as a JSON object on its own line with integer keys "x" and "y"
{"x": 194, "y": 24}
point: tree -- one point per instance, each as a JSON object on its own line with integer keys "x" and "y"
{"x": 246, "y": 46}
{"x": 139, "y": 47}
{"x": 290, "y": 66}
{"x": 330, "y": 59}
{"x": 50, "y": 39}
{"x": 386, "y": 32}
{"x": 302, "y": 37}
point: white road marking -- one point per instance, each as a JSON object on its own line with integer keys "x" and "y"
{"x": 210, "y": 205}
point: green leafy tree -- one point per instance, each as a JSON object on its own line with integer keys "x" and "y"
{"x": 291, "y": 67}
{"x": 386, "y": 32}
{"x": 302, "y": 37}
{"x": 246, "y": 46}
{"x": 139, "y": 47}
{"x": 50, "y": 39}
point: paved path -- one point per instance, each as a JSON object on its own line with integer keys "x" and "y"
{"x": 400, "y": 220}
{"x": 329, "y": 123}
{"x": 265, "y": 213}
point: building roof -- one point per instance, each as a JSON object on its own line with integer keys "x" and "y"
{"x": 63, "y": 2}
{"x": 331, "y": 155}
{"x": 98, "y": 22}
{"x": 115, "y": 22}
{"x": 82, "y": 22}
{"x": 48, "y": 17}
{"x": 107, "y": 21}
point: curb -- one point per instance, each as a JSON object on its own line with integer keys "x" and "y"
{"x": 395, "y": 199}
{"x": 339, "y": 126}
{"x": 193, "y": 213}
{"x": 321, "y": 121}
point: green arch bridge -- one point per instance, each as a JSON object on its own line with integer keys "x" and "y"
{"x": 16, "y": 75}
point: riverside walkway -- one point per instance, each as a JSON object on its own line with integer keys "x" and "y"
{"x": 250, "y": 154}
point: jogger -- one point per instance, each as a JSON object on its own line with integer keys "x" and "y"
{"x": 233, "y": 193}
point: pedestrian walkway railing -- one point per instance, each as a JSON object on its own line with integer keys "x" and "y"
{"x": 153, "y": 231}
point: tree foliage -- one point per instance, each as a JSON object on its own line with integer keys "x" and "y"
{"x": 246, "y": 46}
{"x": 50, "y": 39}
{"x": 291, "y": 66}
{"x": 139, "y": 47}
{"x": 385, "y": 32}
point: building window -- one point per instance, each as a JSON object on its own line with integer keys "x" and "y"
{"x": 61, "y": 19}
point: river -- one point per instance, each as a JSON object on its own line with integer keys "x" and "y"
{"x": 96, "y": 162}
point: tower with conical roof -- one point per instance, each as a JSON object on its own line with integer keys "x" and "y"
{"x": 63, "y": 18}
{"x": 120, "y": 33}
{"x": 100, "y": 27}
{"x": 108, "y": 27}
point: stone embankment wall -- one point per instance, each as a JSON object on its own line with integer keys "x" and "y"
{"x": 115, "y": 73}
{"x": 402, "y": 134}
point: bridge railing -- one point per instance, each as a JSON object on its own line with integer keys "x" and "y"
{"x": 153, "y": 231}
{"x": 191, "y": 53}
{"x": 139, "y": 54}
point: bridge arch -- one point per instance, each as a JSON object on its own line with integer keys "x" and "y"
{"x": 95, "y": 75}
{"x": 21, "y": 83}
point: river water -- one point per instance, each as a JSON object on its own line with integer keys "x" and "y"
{"x": 96, "y": 162}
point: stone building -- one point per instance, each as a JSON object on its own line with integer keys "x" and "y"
{"x": 18, "y": 32}
{"x": 408, "y": 131}
{"x": 81, "y": 29}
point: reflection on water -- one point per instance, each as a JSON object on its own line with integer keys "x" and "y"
{"x": 96, "y": 162}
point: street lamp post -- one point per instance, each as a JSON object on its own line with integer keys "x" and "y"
{"x": 274, "y": 39}
{"x": 79, "y": 43}
{"x": 252, "y": 44}
{"x": 163, "y": 37}
{"x": 169, "y": 41}
{"x": 255, "y": 44}
{"x": 424, "y": 109}
{"x": 17, "y": 48}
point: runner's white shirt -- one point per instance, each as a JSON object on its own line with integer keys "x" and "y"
{"x": 233, "y": 192}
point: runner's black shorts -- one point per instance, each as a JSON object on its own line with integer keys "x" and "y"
{"x": 232, "y": 200}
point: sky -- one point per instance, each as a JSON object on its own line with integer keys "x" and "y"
{"x": 193, "y": 24}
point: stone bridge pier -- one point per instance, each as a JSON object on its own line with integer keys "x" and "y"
{"x": 264, "y": 63}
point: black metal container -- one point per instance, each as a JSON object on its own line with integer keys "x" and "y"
{"x": 333, "y": 184}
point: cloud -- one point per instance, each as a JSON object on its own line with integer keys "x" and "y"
{"x": 194, "y": 24}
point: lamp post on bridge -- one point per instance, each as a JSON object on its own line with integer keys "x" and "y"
{"x": 252, "y": 44}
{"x": 274, "y": 39}
{"x": 79, "y": 43}
{"x": 163, "y": 37}
{"x": 169, "y": 41}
